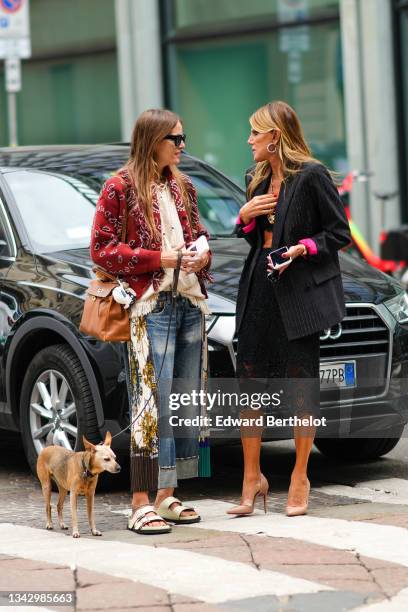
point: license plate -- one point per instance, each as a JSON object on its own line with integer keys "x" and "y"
{"x": 338, "y": 374}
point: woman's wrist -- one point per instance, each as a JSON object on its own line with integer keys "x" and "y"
{"x": 302, "y": 250}
{"x": 244, "y": 217}
{"x": 166, "y": 260}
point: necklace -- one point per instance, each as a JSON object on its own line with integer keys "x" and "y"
{"x": 271, "y": 216}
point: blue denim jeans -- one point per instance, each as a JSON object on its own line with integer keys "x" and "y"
{"x": 180, "y": 372}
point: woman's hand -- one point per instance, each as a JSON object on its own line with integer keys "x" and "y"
{"x": 294, "y": 251}
{"x": 168, "y": 259}
{"x": 259, "y": 205}
{"x": 193, "y": 261}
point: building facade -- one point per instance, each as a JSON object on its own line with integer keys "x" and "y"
{"x": 401, "y": 70}
{"x": 224, "y": 59}
{"x": 342, "y": 64}
{"x": 70, "y": 84}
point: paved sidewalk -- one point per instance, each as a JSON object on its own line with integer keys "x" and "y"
{"x": 94, "y": 590}
{"x": 221, "y": 563}
{"x": 348, "y": 553}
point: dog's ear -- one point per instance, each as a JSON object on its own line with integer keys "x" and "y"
{"x": 108, "y": 438}
{"x": 88, "y": 445}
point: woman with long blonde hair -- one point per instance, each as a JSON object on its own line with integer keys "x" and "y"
{"x": 285, "y": 299}
{"x": 159, "y": 206}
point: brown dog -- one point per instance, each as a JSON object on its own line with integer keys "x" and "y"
{"x": 76, "y": 473}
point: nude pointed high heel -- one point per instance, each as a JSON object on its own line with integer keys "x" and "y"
{"x": 247, "y": 507}
{"x": 301, "y": 509}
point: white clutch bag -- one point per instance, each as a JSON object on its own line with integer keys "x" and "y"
{"x": 200, "y": 245}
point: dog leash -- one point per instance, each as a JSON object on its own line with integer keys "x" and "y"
{"x": 173, "y": 306}
{"x": 176, "y": 275}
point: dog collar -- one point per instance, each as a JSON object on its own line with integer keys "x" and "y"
{"x": 86, "y": 473}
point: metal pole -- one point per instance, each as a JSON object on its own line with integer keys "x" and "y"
{"x": 139, "y": 59}
{"x": 12, "y": 118}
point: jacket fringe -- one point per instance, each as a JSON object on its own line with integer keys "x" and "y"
{"x": 144, "y": 307}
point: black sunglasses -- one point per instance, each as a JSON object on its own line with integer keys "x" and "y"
{"x": 176, "y": 138}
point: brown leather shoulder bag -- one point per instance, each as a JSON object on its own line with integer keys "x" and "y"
{"x": 102, "y": 317}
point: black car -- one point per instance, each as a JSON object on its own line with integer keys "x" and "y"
{"x": 56, "y": 384}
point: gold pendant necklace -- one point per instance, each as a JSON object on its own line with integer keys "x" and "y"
{"x": 271, "y": 216}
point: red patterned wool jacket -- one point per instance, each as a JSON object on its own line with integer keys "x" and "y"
{"x": 138, "y": 260}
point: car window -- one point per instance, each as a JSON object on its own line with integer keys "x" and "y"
{"x": 219, "y": 202}
{"x": 77, "y": 190}
{"x": 57, "y": 210}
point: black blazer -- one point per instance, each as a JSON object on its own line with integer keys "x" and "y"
{"x": 310, "y": 291}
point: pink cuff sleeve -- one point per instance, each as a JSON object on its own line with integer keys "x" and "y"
{"x": 310, "y": 245}
{"x": 247, "y": 228}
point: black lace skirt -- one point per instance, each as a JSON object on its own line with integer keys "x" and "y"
{"x": 264, "y": 351}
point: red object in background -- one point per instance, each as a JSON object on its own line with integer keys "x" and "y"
{"x": 11, "y": 6}
{"x": 347, "y": 184}
{"x": 385, "y": 265}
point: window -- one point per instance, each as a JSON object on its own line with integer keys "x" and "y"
{"x": 201, "y": 13}
{"x": 403, "y": 88}
{"x": 217, "y": 84}
{"x": 218, "y": 201}
{"x": 57, "y": 210}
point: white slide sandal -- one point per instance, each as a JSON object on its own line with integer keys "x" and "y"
{"x": 174, "y": 514}
{"x": 140, "y": 523}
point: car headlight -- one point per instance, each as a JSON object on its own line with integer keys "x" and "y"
{"x": 398, "y": 307}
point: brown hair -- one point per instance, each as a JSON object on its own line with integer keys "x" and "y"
{"x": 151, "y": 128}
{"x": 293, "y": 149}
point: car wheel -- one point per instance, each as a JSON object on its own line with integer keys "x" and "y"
{"x": 56, "y": 405}
{"x": 357, "y": 449}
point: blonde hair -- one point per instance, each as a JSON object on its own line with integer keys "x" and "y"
{"x": 292, "y": 147}
{"x": 151, "y": 128}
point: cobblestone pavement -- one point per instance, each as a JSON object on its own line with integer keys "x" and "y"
{"x": 348, "y": 553}
{"x": 17, "y": 483}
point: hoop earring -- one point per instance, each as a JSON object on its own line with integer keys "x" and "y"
{"x": 275, "y": 148}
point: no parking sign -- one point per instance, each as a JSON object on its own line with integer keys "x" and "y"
{"x": 11, "y": 5}
{"x": 14, "y": 29}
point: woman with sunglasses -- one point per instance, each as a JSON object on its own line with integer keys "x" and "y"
{"x": 167, "y": 328}
{"x": 292, "y": 203}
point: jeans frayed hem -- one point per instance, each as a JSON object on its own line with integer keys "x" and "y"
{"x": 167, "y": 478}
{"x": 185, "y": 468}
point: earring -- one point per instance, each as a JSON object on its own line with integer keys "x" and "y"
{"x": 275, "y": 148}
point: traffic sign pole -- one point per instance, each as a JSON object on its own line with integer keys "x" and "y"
{"x": 12, "y": 118}
{"x": 14, "y": 44}
{"x": 13, "y": 85}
